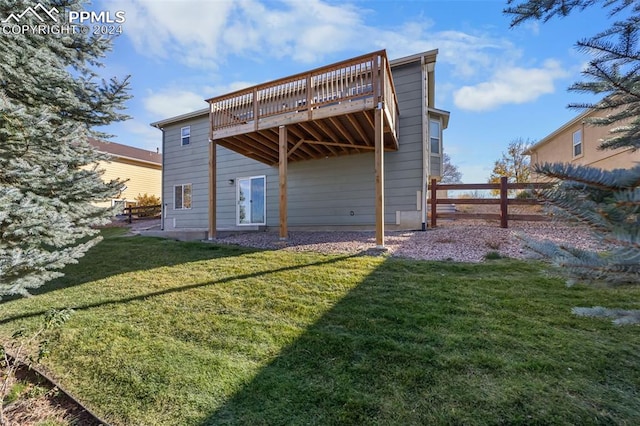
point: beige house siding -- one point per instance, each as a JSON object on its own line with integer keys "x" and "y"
{"x": 558, "y": 147}
{"x": 142, "y": 178}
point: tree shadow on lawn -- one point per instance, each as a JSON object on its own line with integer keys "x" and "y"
{"x": 409, "y": 346}
{"x": 121, "y": 254}
{"x": 183, "y": 288}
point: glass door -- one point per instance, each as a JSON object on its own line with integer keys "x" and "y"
{"x": 251, "y": 201}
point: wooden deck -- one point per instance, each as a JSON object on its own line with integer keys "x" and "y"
{"x": 329, "y": 111}
{"x": 345, "y": 108}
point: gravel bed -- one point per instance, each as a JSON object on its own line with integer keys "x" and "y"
{"x": 461, "y": 241}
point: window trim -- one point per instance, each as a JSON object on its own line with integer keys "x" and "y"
{"x": 574, "y": 144}
{"x": 187, "y": 136}
{"x": 264, "y": 208}
{"x": 174, "y": 196}
{"x": 439, "y": 136}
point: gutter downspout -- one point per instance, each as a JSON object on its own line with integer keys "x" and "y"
{"x": 425, "y": 154}
{"x": 163, "y": 211}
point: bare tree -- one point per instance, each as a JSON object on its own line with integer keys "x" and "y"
{"x": 450, "y": 172}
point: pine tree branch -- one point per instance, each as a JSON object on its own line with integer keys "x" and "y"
{"x": 595, "y": 178}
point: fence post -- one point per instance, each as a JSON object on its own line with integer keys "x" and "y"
{"x": 504, "y": 212}
{"x": 434, "y": 196}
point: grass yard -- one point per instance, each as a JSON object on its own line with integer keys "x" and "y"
{"x": 171, "y": 333}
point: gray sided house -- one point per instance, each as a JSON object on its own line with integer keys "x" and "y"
{"x": 349, "y": 145}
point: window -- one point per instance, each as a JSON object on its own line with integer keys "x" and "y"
{"x": 434, "y": 135}
{"x": 182, "y": 196}
{"x": 185, "y": 135}
{"x": 577, "y": 143}
{"x": 251, "y": 201}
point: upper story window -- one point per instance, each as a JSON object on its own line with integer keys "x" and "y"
{"x": 182, "y": 197}
{"x": 185, "y": 135}
{"x": 577, "y": 143}
{"x": 434, "y": 135}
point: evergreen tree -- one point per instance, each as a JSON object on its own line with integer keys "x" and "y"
{"x": 51, "y": 98}
{"x": 608, "y": 202}
{"x": 614, "y": 69}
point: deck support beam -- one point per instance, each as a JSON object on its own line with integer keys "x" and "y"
{"x": 212, "y": 190}
{"x": 282, "y": 172}
{"x": 379, "y": 172}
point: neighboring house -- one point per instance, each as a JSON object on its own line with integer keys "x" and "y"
{"x": 577, "y": 142}
{"x": 142, "y": 168}
{"x": 350, "y": 144}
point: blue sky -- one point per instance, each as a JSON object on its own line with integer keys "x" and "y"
{"x": 499, "y": 84}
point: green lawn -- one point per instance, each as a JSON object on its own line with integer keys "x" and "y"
{"x": 170, "y": 333}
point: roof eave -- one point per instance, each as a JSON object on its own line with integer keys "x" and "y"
{"x": 124, "y": 157}
{"x": 176, "y": 119}
{"x": 441, "y": 113}
{"x": 556, "y": 132}
{"x": 429, "y": 55}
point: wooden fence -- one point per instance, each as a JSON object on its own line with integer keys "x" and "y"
{"x": 504, "y": 201}
{"x": 142, "y": 212}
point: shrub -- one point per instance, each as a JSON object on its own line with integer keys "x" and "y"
{"x": 148, "y": 201}
{"x": 493, "y": 255}
{"x": 525, "y": 194}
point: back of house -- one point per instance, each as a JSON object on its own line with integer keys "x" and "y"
{"x": 325, "y": 124}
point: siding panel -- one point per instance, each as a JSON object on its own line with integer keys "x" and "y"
{"x": 334, "y": 191}
{"x": 142, "y": 179}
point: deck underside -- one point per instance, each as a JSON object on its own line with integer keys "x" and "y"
{"x": 333, "y": 130}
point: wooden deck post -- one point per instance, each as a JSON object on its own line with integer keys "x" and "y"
{"x": 504, "y": 212}
{"x": 434, "y": 205}
{"x": 282, "y": 172}
{"x": 255, "y": 109}
{"x": 212, "y": 190}
{"x": 379, "y": 168}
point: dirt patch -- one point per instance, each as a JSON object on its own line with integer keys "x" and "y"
{"x": 37, "y": 401}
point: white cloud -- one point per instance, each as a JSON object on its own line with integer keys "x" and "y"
{"x": 514, "y": 85}
{"x": 204, "y": 33}
{"x": 138, "y": 133}
{"x": 468, "y": 54}
{"x": 222, "y": 89}
{"x": 188, "y": 30}
{"x": 172, "y": 102}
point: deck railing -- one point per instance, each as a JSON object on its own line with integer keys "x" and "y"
{"x": 357, "y": 78}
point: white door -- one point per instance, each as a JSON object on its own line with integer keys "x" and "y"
{"x": 251, "y": 201}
